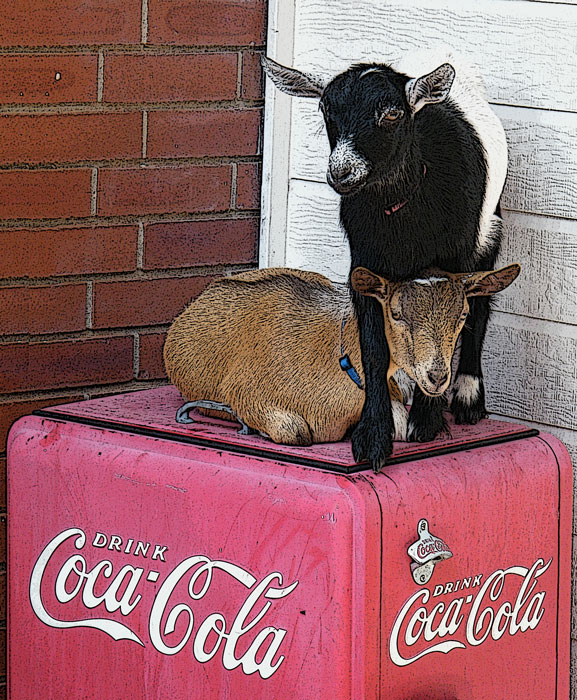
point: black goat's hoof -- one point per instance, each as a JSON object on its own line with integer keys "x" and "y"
{"x": 468, "y": 404}
{"x": 426, "y": 418}
{"x": 371, "y": 443}
{"x": 468, "y": 414}
{"x": 425, "y": 425}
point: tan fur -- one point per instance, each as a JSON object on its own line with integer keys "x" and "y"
{"x": 267, "y": 343}
{"x": 424, "y": 317}
{"x": 250, "y": 343}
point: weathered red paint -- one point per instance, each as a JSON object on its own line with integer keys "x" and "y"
{"x": 257, "y": 525}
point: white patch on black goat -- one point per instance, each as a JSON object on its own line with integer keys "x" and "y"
{"x": 370, "y": 70}
{"x": 345, "y": 157}
{"x": 487, "y": 242}
{"x": 466, "y": 388}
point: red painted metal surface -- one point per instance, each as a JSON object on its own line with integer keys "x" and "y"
{"x": 259, "y": 578}
{"x": 155, "y": 410}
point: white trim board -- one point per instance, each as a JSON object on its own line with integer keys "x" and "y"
{"x": 277, "y": 133}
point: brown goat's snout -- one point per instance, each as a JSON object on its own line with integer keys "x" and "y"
{"x": 433, "y": 378}
{"x": 438, "y": 378}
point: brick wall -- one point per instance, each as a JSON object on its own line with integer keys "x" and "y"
{"x": 129, "y": 177}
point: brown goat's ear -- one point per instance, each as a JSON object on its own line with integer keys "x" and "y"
{"x": 478, "y": 284}
{"x": 431, "y": 88}
{"x": 292, "y": 81}
{"x": 366, "y": 282}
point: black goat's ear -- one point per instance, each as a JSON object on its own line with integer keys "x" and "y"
{"x": 367, "y": 283}
{"x": 482, "y": 284}
{"x": 431, "y": 88}
{"x": 292, "y": 81}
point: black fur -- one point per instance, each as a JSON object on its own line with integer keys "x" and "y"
{"x": 426, "y": 419}
{"x": 437, "y": 227}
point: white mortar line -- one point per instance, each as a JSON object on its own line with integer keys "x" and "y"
{"x": 136, "y": 355}
{"x": 140, "y": 246}
{"x": 100, "y": 77}
{"x": 94, "y": 191}
{"x": 144, "y": 22}
{"x": 89, "y": 303}
{"x": 144, "y": 133}
{"x": 239, "y": 68}
{"x": 233, "y": 185}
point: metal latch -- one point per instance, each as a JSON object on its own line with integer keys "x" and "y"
{"x": 427, "y": 551}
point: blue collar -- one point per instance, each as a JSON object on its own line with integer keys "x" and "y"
{"x": 345, "y": 361}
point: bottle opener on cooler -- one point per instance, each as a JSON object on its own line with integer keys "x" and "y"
{"x": 427, "y": 551}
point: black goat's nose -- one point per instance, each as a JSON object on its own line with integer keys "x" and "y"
{"x": 341, "y": 173}
{"x": 437, "y": 377}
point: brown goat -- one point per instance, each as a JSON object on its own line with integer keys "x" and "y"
{"x": 267, "y": 344}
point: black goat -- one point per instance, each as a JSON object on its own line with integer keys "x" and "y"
{"x": 421, "y": 174}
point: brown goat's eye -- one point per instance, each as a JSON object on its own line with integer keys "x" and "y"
{"x": 396, "y": 315}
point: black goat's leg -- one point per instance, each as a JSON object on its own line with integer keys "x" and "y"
{"x": 372, "y": 439}
{"x": 468, "y": 404}
{"x": 426, "y": 419}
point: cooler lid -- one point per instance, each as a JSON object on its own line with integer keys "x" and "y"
{"x": 152, "y": 412}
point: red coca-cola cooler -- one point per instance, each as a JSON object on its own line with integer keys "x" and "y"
{"x": 152, "y": 560}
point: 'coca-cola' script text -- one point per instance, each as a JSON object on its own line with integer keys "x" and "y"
{"x": 76, "y": 580}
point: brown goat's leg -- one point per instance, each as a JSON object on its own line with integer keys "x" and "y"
{"x": 285, "y": 427}
{"x": 400, "y": 414}
{"x": 221, "y": 415}
{"x": 280, "y": 425}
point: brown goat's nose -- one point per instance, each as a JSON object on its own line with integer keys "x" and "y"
{"x": 437, "y": 377}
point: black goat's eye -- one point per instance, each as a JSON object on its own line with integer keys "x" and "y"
{"x": 389, "y": 115}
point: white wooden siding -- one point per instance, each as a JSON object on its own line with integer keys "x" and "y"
{"x": 547, "y": 251}
{"x": 527, "y": 54}
{"x": 527, "y": 51}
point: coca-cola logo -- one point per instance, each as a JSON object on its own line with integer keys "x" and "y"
{"x": 473, "y": 617}
{"x": 426, "y": 553}
{"x": 432, "y": 545}
{"x": 101, "y": 587}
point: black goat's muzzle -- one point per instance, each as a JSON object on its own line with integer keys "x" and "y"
{"x": 346, "y": 184}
